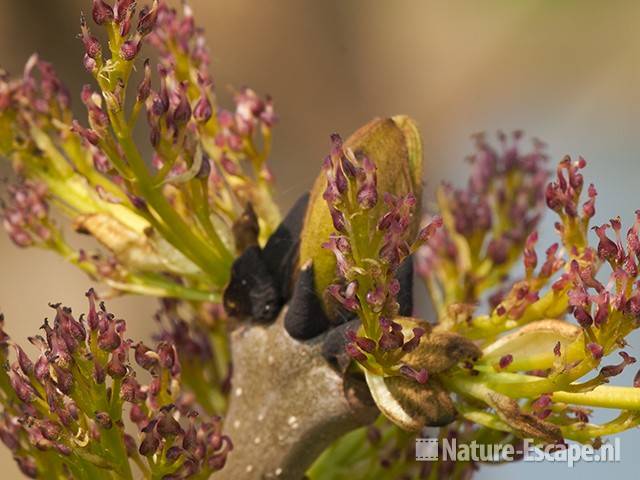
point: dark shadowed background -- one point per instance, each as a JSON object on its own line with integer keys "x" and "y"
{"x": 567, "y": 72}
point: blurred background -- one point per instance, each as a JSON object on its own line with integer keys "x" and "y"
{"x": 567, "y": 72}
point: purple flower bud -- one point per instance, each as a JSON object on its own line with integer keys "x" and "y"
{"x": 116, "y": 367}
{"x": 182, "y": 112}
{"x": 22, "y": 387}
{"x": 337, "y": 217}
{"x": 27, "y": 466}
{"x": 41, "y": 369}
{"x": 148, "y": 19}
{"x": 101, "y": 12}
{"x": 607, "y": 249}
{"x": 168, "y": 427}
{"x": 430, "y": 229}
{"x": 542, "y": 402}
{"x": 150, "y": 444}
{"x": 498, "y": 250}
{"x": 173, "y": 453}
{"x": 50, "y": 430}
{"x": 130, "y": 390}
{"x": 137, "y": 415}
{"x": 390, "y": 340}
{"x": 63, "y": 378}
{"x": 412, "y": 344}
{"x": 26, "y": 365}
{"x": 365, "y": 344}
{"x": 354, "y": 352}
{"x": 583, "y": 317}
{"x": 505, "y": 361}
{"x": 99, "y": 373}
{"x": 109, "y": 339}
{"x": 91, "y": 44}
{"x": 613, "y": 370}
{"x": 144, "y": 89}
{"x": 202, "y": 112}
{"x": 421, "y": 376}
{"x": 167, "y": 355}
{"x": 88, "y": 134}
{"x": 130, "y": 49}
{"x": 596, "y": 350}
{"x": 145, "y": 357}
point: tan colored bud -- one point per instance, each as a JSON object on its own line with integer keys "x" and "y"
{"x": 145, "y": 252}
{"x": 525, "y": 425}
{"x": 412, "y": 405}
{"x": 409, "y": 404}
{"x": 394, "y": 146}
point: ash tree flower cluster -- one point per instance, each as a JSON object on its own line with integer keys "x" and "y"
{"x": 64, "y": 413}
{"x": 518, "y": 344}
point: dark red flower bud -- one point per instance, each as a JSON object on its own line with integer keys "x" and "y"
{"x": 203, "y": 111}
{"x": 354, "y": 352}
{"x": 116, "y": 367}
{"x": 613, "y": 370}
{"x": 168, "y": 426}
{"x": 26, "y": 365}
{"x": 167, "y": 355}
{"x": 412, "y": 344}
{"x": 145, "y": 357}
{"x": 92, "y": 46}
{"x": 421, "y": 376}
{"x": 337, "y": 217}
{"x": 148, "y": 19}
{"x": 101, "y": 12}
{"x": 99, "y": 374}
{"x": 22, "y": 387}
{"x": 596, "y": 350}
{"x": 41, "y": 369}
{"x": 506, "y": 360}
{"x": 63, "y": 379}
{"x": 130, "y": 49}
{"x": 144, "y": 89}
{"x": 607, "y": 249}
{"x": 365, "y": 344}
{"x": 50, "y": 429}
{"x": 173, "y": 453}
{"x": 27, "y": 466}
{"x": 130, "y": 445}
{"x": 150, "y": 444}
{"x": 583, "y": 317}
{"x": 109, "y": 339}
{"x": 182, "y": 112}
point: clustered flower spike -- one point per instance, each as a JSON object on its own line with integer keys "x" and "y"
{"x": 487, "y": 224}
{"x": 373, "y": 237}
{"x": 165, "y": 222}
{"x": 535, "y": 361}
{"x": 71, "y": 400}
{"x": 26, "y": 214}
